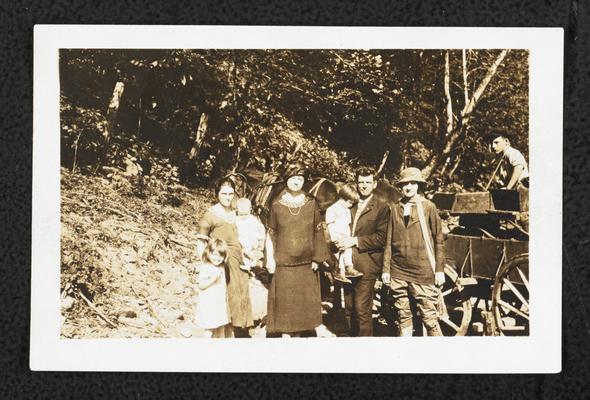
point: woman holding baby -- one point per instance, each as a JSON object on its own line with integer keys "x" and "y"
{"x": 219, "y": 222}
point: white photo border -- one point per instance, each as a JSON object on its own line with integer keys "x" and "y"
{"x": 538, "y": 353}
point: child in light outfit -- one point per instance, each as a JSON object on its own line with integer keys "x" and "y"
{"x": 212, "y": 312}
{"x": 251, "y": 234}
{"x": 338, "y": 220}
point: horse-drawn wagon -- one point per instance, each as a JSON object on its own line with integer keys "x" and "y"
{"x": 487, "y": 263}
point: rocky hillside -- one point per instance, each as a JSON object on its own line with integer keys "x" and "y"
{"x": 128, "y": 261}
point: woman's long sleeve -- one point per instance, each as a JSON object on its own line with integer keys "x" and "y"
{"x": 204, "y": 228}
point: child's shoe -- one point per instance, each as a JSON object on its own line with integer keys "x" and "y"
{"x": 341, "y": 278}
{"x": 350, "y": 272}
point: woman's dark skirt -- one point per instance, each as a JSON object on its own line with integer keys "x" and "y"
{"x": 294, "y": 301}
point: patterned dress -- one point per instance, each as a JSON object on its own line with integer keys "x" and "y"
{"x": 214, "y": 226}
{"x": 294, "y": 301}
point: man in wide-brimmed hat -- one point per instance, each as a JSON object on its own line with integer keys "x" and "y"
{"x": 513, "y": 168}
{"x": 413, "y": 261}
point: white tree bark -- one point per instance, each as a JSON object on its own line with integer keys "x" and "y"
{"x": 112, "y": 110}
{"x": 200, "y": 137}
{"x": 470, "y": 106}
{"x": 465, "y": 90}
{"x": 453, "y": 137}
{"x": 449, "y": 100}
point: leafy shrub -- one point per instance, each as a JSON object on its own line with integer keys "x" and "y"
{"x": 81, "y": 134}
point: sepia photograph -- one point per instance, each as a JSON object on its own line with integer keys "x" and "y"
{"x": 286, "y": 166}
{"x": 293, "y": 196}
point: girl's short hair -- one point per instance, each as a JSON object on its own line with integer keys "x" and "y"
{"x": 218, "y": 245}
{"x": 348, "y": 192}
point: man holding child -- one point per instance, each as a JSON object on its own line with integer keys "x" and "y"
{"x": 401, "y": 242}
{"x": 370, "y": 218}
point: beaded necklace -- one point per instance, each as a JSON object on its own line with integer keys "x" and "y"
{"x": 292, "y": 202}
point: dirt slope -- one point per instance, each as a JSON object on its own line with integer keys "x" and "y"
{"x": 128, "y": 262}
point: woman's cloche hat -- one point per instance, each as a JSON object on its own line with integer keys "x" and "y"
{"x": 294, "y": 169}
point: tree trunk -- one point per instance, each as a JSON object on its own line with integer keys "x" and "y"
{"x": 201, "y": 130}
{"x": 139, "y": 112}
{"x": 449, "y": 108}
{"x": 453, "y": 137}
{"x": 112, "y": 111}
{"x": 382, "y": 165}
{"x": 457, "y": 162}
{"x": 449, "y": 100}
{"x": 465, "y": 90}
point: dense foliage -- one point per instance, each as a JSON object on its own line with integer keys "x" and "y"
{"x": 190, "y": 116}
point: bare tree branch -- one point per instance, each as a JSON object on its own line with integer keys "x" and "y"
{"x": 453, "y": 137}
{"x": 449, "y": 100}
{"x": 470, "y": 106}
{"x": 465, "y": 88}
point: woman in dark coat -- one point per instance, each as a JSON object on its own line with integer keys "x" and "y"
{"x": 295, "y": 227}
{"x": 219, "y": 223}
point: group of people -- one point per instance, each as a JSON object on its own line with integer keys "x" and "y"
{"x": 400, "y": 243}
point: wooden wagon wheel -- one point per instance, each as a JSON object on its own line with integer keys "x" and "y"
{"x": 456, "y": 320}
{"x": 510, "y": 297}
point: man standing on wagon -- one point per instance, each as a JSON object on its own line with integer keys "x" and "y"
{"x": 514, "y": 171}
{"x": 370, "y": 218}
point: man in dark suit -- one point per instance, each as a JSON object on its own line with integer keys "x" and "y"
{"x": 369, "y": 230}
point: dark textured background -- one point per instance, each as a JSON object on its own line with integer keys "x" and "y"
{"x": 16, "y": 381}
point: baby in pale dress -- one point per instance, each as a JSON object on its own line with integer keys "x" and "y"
{"x": 338, "y": 220}
{"x": 212, "y": 312}
{"x": 251, "y": 234}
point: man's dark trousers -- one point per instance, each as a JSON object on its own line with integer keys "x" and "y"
{"x": 371, "y": 231}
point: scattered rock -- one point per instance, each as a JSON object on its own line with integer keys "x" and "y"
{"x": 67, "y": 303}
{"x": 127, "y": 255}
{"x": 186, "y": 331}
{"x": 127, "y": 236}
{"x": 127, "y": 314}
{"x": 189, "y": 329}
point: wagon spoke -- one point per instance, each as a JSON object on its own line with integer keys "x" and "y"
{"x": 458, "y": 308}
{"x": 516, "y": 292}
{"x": 513, "y": 328}
{"x": 447, "y": 292}
{"x": 524, "y": 279}
{"x": 512, "y": 308}
{"x": 450, "y": 323}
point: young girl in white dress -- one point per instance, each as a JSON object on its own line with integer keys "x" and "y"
{"x": 212, "y": 312}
